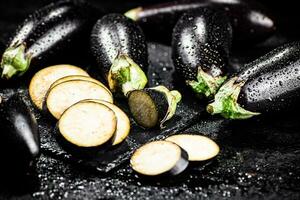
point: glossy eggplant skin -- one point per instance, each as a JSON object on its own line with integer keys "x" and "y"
{"x": 275, "y": 91}
{"x": 113, "y": 35}
{"x": 202, "y": 41}
{"x": 58, "y": 30}
{"x": 120, "y": 49}
{"x": 273, "y": 83}
{"x": 161, "y": 102}
{"x": 270, "y": 84}
{"x": 251, "y": 22}
{"x": 20, "y": 143}
{"x": 276, "y": 59}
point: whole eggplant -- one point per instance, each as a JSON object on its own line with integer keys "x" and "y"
{"x": 120, "y": 49}
{"x": 19, "y": 140}
{"x": 270, "y": 84}
{"x": 200, "y": 49}
{"x": 54, "y": 32}
{"x": 251, "y": 22}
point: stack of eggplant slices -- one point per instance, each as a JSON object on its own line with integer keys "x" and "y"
{"x": 201, "y": 35}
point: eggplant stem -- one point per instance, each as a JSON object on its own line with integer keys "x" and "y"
{"x": 133, "y": 13}
{"x": 206, "y": 84}
{"x": 176, "y": 95}
{"x": 126, "y": 75}
{"x": 15, "y": 61}
{"x": 226, "y": 104}
{"x": 173, "y": 98}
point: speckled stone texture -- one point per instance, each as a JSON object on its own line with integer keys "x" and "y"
{"x": 259, "y": 158}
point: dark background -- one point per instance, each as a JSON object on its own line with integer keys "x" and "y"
{"x": 259, "y": 158}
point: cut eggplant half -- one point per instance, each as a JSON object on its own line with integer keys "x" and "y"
{"x": 64, "y": 95}
{"x": 153, "y": 106}
{"x": 88, "y": 125}
{"x": 42, "y": 80}
{"x": 79, "y": 77}
{"x": 159, "y": 158}
{"x": 123, "y": 124}
{"x": 199, "y": 148}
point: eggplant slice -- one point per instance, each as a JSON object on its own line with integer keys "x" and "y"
{"x": 199, "y": 148}
{"x": 144, "y": 109}
{"x": 79, "y": 77}
{"x": 43, "y": 79}
{"x": 123, "y": 124}
{"x": 153, "y": 106}
{"x": 88, "y": 124}
{"x": 159, "y": 158}
{"x": 64, "y": 95}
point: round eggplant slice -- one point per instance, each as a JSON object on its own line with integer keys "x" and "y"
{"x": 159, "y": 158}
{"x": 144, "y": 108}
{"x": 199, "y": 148}
{"x": 64, "y": 95}
{"x": 123, "y": 124}
{"x": 43, "y": 79}
{"x": 153, "y": 106}
{"x": 79, "y": 77}
{"x": 88, "y": 124}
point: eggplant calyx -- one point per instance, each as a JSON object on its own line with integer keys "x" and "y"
{"x": 226, "y": 104}
{"x": 126, "y": 75}
{"x": 133, "y": 13}
{"x": 173, "y": 98}
{"x": 15, "y": 61}
{"x": 206, "y": 84}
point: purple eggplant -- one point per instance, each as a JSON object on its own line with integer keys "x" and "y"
{"x": 270, "y": 84}
{"x": 53, "y": 32}
{"x": 19, "y": 141}
{"x": 120, "y": 49}
{"x": 251, "y": 22}
{"x": 200, "y": 49}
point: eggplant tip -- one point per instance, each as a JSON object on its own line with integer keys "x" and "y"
{"x": 226, "y": 104}
{"x": 126, "y": 75}
{"x": 14, "y": 61}
{"x": 210, "y": 109}
{"x": 173, "y": 98}
{"x": 176, "y": 95}
{"x": 206, "y": 84}
{"x": 133, "y": 13}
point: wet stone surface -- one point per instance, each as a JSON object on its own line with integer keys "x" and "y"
{"x": 160, "y": 72}
{"x": 259, "y": 159}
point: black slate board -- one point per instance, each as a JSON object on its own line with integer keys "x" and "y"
{"x": 161, "y": 71}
